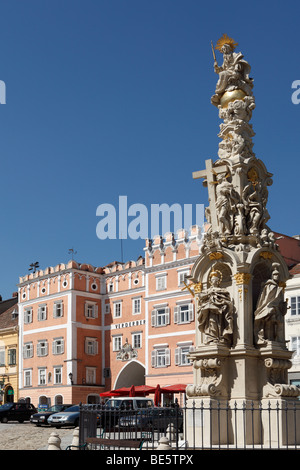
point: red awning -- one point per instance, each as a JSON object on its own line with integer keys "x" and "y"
{"x": 178, "y": 388}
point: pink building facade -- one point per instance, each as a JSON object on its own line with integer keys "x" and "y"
{"x": 84, "y": 329}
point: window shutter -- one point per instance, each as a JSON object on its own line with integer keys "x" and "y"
{"x": 177, "y": 356}
{"x": 39, "y": 313}
{"x": 176, "y": 312}
{"x": 167, "y": 315}
{"x": 191, "y": 312}
{"x": 168, "y": 358}
{"x": 153, "y": 318}
{"x": 96, "y": 311}
{"x": 153, "y": 358}
{"x": 86, "y": 309}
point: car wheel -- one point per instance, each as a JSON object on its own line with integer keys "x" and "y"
{"x": 4, "y": 420}
{"x": 76, "y": 423}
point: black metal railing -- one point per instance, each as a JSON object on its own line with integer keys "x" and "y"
{"x": 198, "y": 425}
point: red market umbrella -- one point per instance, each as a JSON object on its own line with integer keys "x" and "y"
{"x": 157, "y": 396}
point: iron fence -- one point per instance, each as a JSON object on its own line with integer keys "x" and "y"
{"x": 211, "y": 424}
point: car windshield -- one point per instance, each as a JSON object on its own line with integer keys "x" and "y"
{"x": 56, "y": 408}
{"x": 73, "y": 408}
{"x": 6, "y": 406}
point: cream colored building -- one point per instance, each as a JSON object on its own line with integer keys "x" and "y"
{"x": 9, "y": 350}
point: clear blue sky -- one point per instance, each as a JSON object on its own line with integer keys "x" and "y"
{"x": 112, "y": 97}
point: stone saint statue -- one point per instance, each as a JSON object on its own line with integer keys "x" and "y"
{"x": 226, "y": 203}
{"x": 234, "y": 73}
{"x": 270, "y": 311}
{"x": 215, "y": 309}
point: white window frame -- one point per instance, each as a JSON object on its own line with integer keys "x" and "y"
{"x": 91, "y": 346}
{"x": 27, "y": 377}
{"x": 42, "y": 312}
{"x": 2, "y": 356}
{"x": 91, "y": 309}
{"x": 295, "y": 305}
{"x": 42, "y": 348}
{"x": 118, "y": 309}
{"x": 117, "y": 343}
{"x": 90, "y": 375}
{"x": 58, "y": 346}
{"x": 161, "y": 282}
{"x": 181, "y": 276}
{"x": 136, "y": 306}
{"x": 57, "y": 372}
{"x": 58, "y": 309}
{"x": 184, "y": 313}
{"x": 160, "y": 357}
{"x": 181, "y": 353}
{"x": 136, "y": 340}
{"x": 42, "y": 376}
{"x": 27, "y": 315}
{"x": 160, "y": 316}
{"x": 28, "y": 350}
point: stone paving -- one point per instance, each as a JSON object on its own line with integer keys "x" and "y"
{"x": 27, "y": 436}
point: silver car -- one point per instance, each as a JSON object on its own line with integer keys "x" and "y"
{"x": 70, "y": 417}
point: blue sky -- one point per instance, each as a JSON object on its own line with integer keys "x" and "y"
{"x": 112, "y": 97}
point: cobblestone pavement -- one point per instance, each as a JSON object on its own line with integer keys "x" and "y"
{"x": 27, "y": 436}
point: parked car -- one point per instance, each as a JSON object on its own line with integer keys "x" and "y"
{"x": 42, "y": 417}
{"x": 69, "y": 417}
{"x": 16, "y": 412}
{"x": 152, "y": 419}
{"x": 115, "y": 407}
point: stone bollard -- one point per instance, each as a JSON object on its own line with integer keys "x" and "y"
{"x": 171, "y": 432}
{"x": 75, "y": 441}
{"x": 164, "y": 444}
{"x": 54, "y": 441}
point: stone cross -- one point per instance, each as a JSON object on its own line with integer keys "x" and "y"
{"x": 209, "y": 174}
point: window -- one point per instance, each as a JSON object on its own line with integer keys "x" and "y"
{"x": 90, "y": 375}
{"x": 295, "y": 305}
{"x": 160, "y": 316}
{"x": 181, "y": 355}
{"x": 161, "y": 282}
{"x": 42, "y": 348}
{"x": 117, "y": 309}
{"x": 58, "y": 346}
{"x": 117, "y": 343}
{"x": 295, "y": 344}
{"x": 91, "y": 310}
{"x": 136, "y": 306}
{"x": 160, "y": 357}
{"x": 110, "y": 287}
{"x": 58, "y": 375}
{"x": 184, "y": 313}
{"x": 42, "y": 312}
{"x": 28, "y": 315}
{"x": 28, "y": 378}
{"x": 58, "y": 309}
{"x": 28, "y": 350}
{"x": 107, "y": 308}
{"x": 181, "y": 277}
{"x": 136, "y": 340}
{"x": 91, "y": 346}
{"x": 42, "y": 376}
{"x": 12, "y": 357}
{"x": 2, "y": 356}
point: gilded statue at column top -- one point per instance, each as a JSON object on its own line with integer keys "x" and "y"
{"x": 234, "y": 81}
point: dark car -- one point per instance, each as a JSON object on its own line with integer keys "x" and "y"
{"x": 16, "y": 412}
{"x": 152, "y": 419}
{"x": 42, "y": 417}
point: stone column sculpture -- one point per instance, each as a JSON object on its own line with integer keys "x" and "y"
{"x": 240, "y": 354}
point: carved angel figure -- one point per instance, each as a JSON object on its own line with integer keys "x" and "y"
{"x": 270, "y": 310}
{"x": 215, "y": 310}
